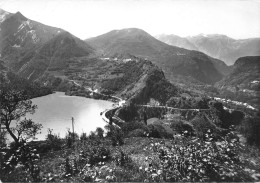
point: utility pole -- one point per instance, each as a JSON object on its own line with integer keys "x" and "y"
{"x": 72, "y": 121}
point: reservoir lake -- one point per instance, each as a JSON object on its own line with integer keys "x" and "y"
{"x": 55, "y": 111}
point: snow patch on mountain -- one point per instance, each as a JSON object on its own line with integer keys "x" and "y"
{"x": 3, "y": 16}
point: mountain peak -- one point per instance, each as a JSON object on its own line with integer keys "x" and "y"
{"x": 210, "y": 36}
{"x": 19, "y": 15}
{"x": 130, "y": 31}
{"x": 2, "y": 11}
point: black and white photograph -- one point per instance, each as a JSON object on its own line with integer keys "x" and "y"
{"x": 129, "y": 91}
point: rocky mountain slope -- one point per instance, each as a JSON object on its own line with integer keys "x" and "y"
{"x": 19, "y": 34}
{"x": 52, "y": 56}
{"x": 215, "y": 45}
{"x": 31, "y": 48}
{"x": 173, "y": 60}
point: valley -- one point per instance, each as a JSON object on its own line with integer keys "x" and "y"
{"x": 172, "y": 110}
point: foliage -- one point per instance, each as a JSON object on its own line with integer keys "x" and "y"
{"x": 92, "y": 135}
{"x": 3, "y": 139}
{"x": 122, "y": 159}
{"x": 128, "y": 112}
{"x": 83, "y": 136}
{"x": 53, "y": 140}
{"x": 250, "y": 128}
{"x": 237, "y": 117}
{"x": 100, "y": 132}
{"x": 71, "y": 137}
{"x": 131, "y": 126}
{"x": 158, "y": 131}
{"x": 27, "y": 129}
{"x": 131, "y": 73}
{"x": 181, "y": 126}
{"x": 188, "y": 102}
{"x": 20, "y": 164}
{"x": 137, "y": 133}
{"x": 115, "y": 134}
{"x": 32, "y": 89}
{"x": 201, "y": 124}
{"x": 15, "y": 104}
{"x": 192, "y": 160}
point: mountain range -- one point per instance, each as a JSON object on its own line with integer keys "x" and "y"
{"x": 173, "y": 60}
{"x": 215, "y": 45}
{"x": 55, "y": 57}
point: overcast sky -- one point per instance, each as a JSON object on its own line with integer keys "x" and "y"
{"x": 87, "y": 18}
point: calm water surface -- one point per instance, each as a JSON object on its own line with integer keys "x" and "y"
{"x": 56, "y": 110}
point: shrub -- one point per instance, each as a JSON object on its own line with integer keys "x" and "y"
{"x": 250, "y": 127}
{"x": 128, "y": 112}
{"x": 181, "y": 126}
{"x": 95, "y": 154}
{"x": 201, "y": 124}
{"x": 100, "y": 132}
{"x": 92, "y": 135}
{"x": 158, "y": 131}
{"x": 83, "y": 136}
{"x": 122, "y": 159}
{"x": 137, "y": 133}
{"x": 116, "y": 135}
{"x": 130, "y": 126}
{"x": 195, "y": 160}
{"x": 20, "y": 164}
{"x": 53, "y": 140}
{"x": 237, "y": 117}
{"x": 71, "y": 137}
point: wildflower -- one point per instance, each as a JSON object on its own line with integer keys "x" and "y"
{"x": 98, "y": 180}
{"x": 159, "y": 172}
{"x": 154, "y": 175}
{"x": 19, "y": 165}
